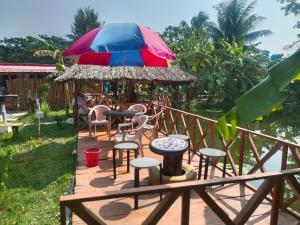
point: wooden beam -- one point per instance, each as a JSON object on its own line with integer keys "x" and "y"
{"x": 214, "y": 206}
{"x": 255, "y": 200}
{"x": 276, "y": 202}
{"x": 266, "y": 157}
{"x": 63, "y": 214}
{"x": 85, "y": 214}
{"x": 182, "y": 186}
{"x": 185, "y": 208}
{"x": 255, "y": 153}
{"x": 241, "y": 151}
{"x": 161, "y": 209}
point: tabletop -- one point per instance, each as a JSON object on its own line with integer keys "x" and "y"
{"x": 168, "y": 146}
{"x": 116, "y": 113}
{"x": 180, "y": 136}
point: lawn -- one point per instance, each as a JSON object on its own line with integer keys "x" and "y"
{"x": 38, "y": 172}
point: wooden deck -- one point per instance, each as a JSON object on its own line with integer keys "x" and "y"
{"x": 230, "y": 197}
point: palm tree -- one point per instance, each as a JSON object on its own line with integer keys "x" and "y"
{"x": 236, "y": 23}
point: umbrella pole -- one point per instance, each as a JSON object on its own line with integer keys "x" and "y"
{"x": 151, "y": 91}
{"x": 76, "y": 105}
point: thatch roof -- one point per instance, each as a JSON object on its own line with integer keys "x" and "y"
{"x": 140, "y": 74}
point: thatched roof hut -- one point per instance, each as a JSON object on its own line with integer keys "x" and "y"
{"x": 139, "y": 74}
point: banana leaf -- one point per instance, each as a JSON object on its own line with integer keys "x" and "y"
{"x": 263, "y": 97}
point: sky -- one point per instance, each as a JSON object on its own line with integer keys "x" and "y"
{"x": 20, "y": 18}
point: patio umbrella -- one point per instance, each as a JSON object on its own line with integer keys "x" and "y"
{"x": 121, "y": 44}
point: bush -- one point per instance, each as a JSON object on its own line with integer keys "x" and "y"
{"x": 45, "y": 108}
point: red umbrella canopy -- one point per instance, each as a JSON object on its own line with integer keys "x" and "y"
{"x": 121, "y": 44}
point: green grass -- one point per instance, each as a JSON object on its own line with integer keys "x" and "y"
{"x": 39, "y": 171}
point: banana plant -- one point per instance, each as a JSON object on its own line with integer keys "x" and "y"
{"x": 56, "y": 54}
{"x": 262, "y": 98}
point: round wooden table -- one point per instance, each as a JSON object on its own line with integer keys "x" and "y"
{"x": 172, "y": 149}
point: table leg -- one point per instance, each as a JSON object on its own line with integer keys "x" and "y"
{"x": 172, "y": 165}
{"x": 160, "y": 179}
{"x": 136, "y": 184}
{"x": 206, "y": 167}
{"x": 135, "y": 153}
{"x": 200, "y": 167}
{"x": 128, "y": 156}
{"x": 114, "y": 163}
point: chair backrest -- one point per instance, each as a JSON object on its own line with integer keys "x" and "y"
{"x": 141, "y": 121}
{"x": 156, "y": 117}
{"x": 139, "y": 108}
{"x": 99, "y": 112}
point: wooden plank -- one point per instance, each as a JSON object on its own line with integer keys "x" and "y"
{"x": 11, "y": 124}
{"x": 255, "y": 200}
{"x": 185, "y": 208}
{"x": 213, "y": 134}
{"x": 266, "y": 157}
{"x": 295, "y": 152}
{"x": 214, "y": 206}
{"x": 255, "y": 153}
{"x": 276, "y": 202}
{"x": 241, "y": 151}
{"x": 161, "y": 209}
{"x": 293, "y": 183}
{"x": 182, "y": 186}
{"x": 63, "y": 214}
{"x": 85, "y": 214}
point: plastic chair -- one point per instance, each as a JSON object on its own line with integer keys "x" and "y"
{"x": 134, "y": 134}
{"x": 100, "y": 118}
{"x": 152, "y": 124}
{"x": 140, "y": 108}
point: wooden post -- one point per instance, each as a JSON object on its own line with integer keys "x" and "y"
{"x": 276, "y": 203}
{"x": 241, "y": 150}
{"x": 76, "y": 104}
{"x": 63, "y": 214}
{"x": 185, "y": 208}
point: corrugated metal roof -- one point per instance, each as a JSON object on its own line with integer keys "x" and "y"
{"x": 7, "y": 68}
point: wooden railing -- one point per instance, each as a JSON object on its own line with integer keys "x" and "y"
{"x": 271, "y": 180}
{"x": 247, "y": 153}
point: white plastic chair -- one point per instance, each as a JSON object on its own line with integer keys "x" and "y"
{"x": 100, "y": 118}
{"x": 152, "y": 124}
{"x": 134, "y": 133}
{"x": 140, "y": 108}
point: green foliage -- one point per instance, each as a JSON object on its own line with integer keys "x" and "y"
{"x": 21, "y": 50}
{"x": 236, "y": 23}
{"x": 266, "y": 95}
{"x": 42, "y": 91}
{"x": 35, "y": 183}
{"x": 85, "y": 20}
{"x": 45, "y": 108}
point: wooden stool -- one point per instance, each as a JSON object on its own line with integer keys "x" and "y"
{"x": 121, "y": 147}
{"x": 143, "y": 163}
{"x": 186, "y": 138}
{"x": 210, "y": 153}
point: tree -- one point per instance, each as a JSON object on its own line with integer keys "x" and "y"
{"x": 20, "y": 50}
{"x": 236, "y": 23}
{"x": 85, "y": 20}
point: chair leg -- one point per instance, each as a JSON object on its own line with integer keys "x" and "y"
{"x": 128, "y": 158}
{"x": 114, "y": 164}
{"x": 95, "y": 130}
{"x": 200, "y": 167}
{"x": 136, "y": 184}
{"x": 90, "y": 130}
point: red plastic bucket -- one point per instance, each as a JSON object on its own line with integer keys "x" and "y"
{"x": 92, "y": 156}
